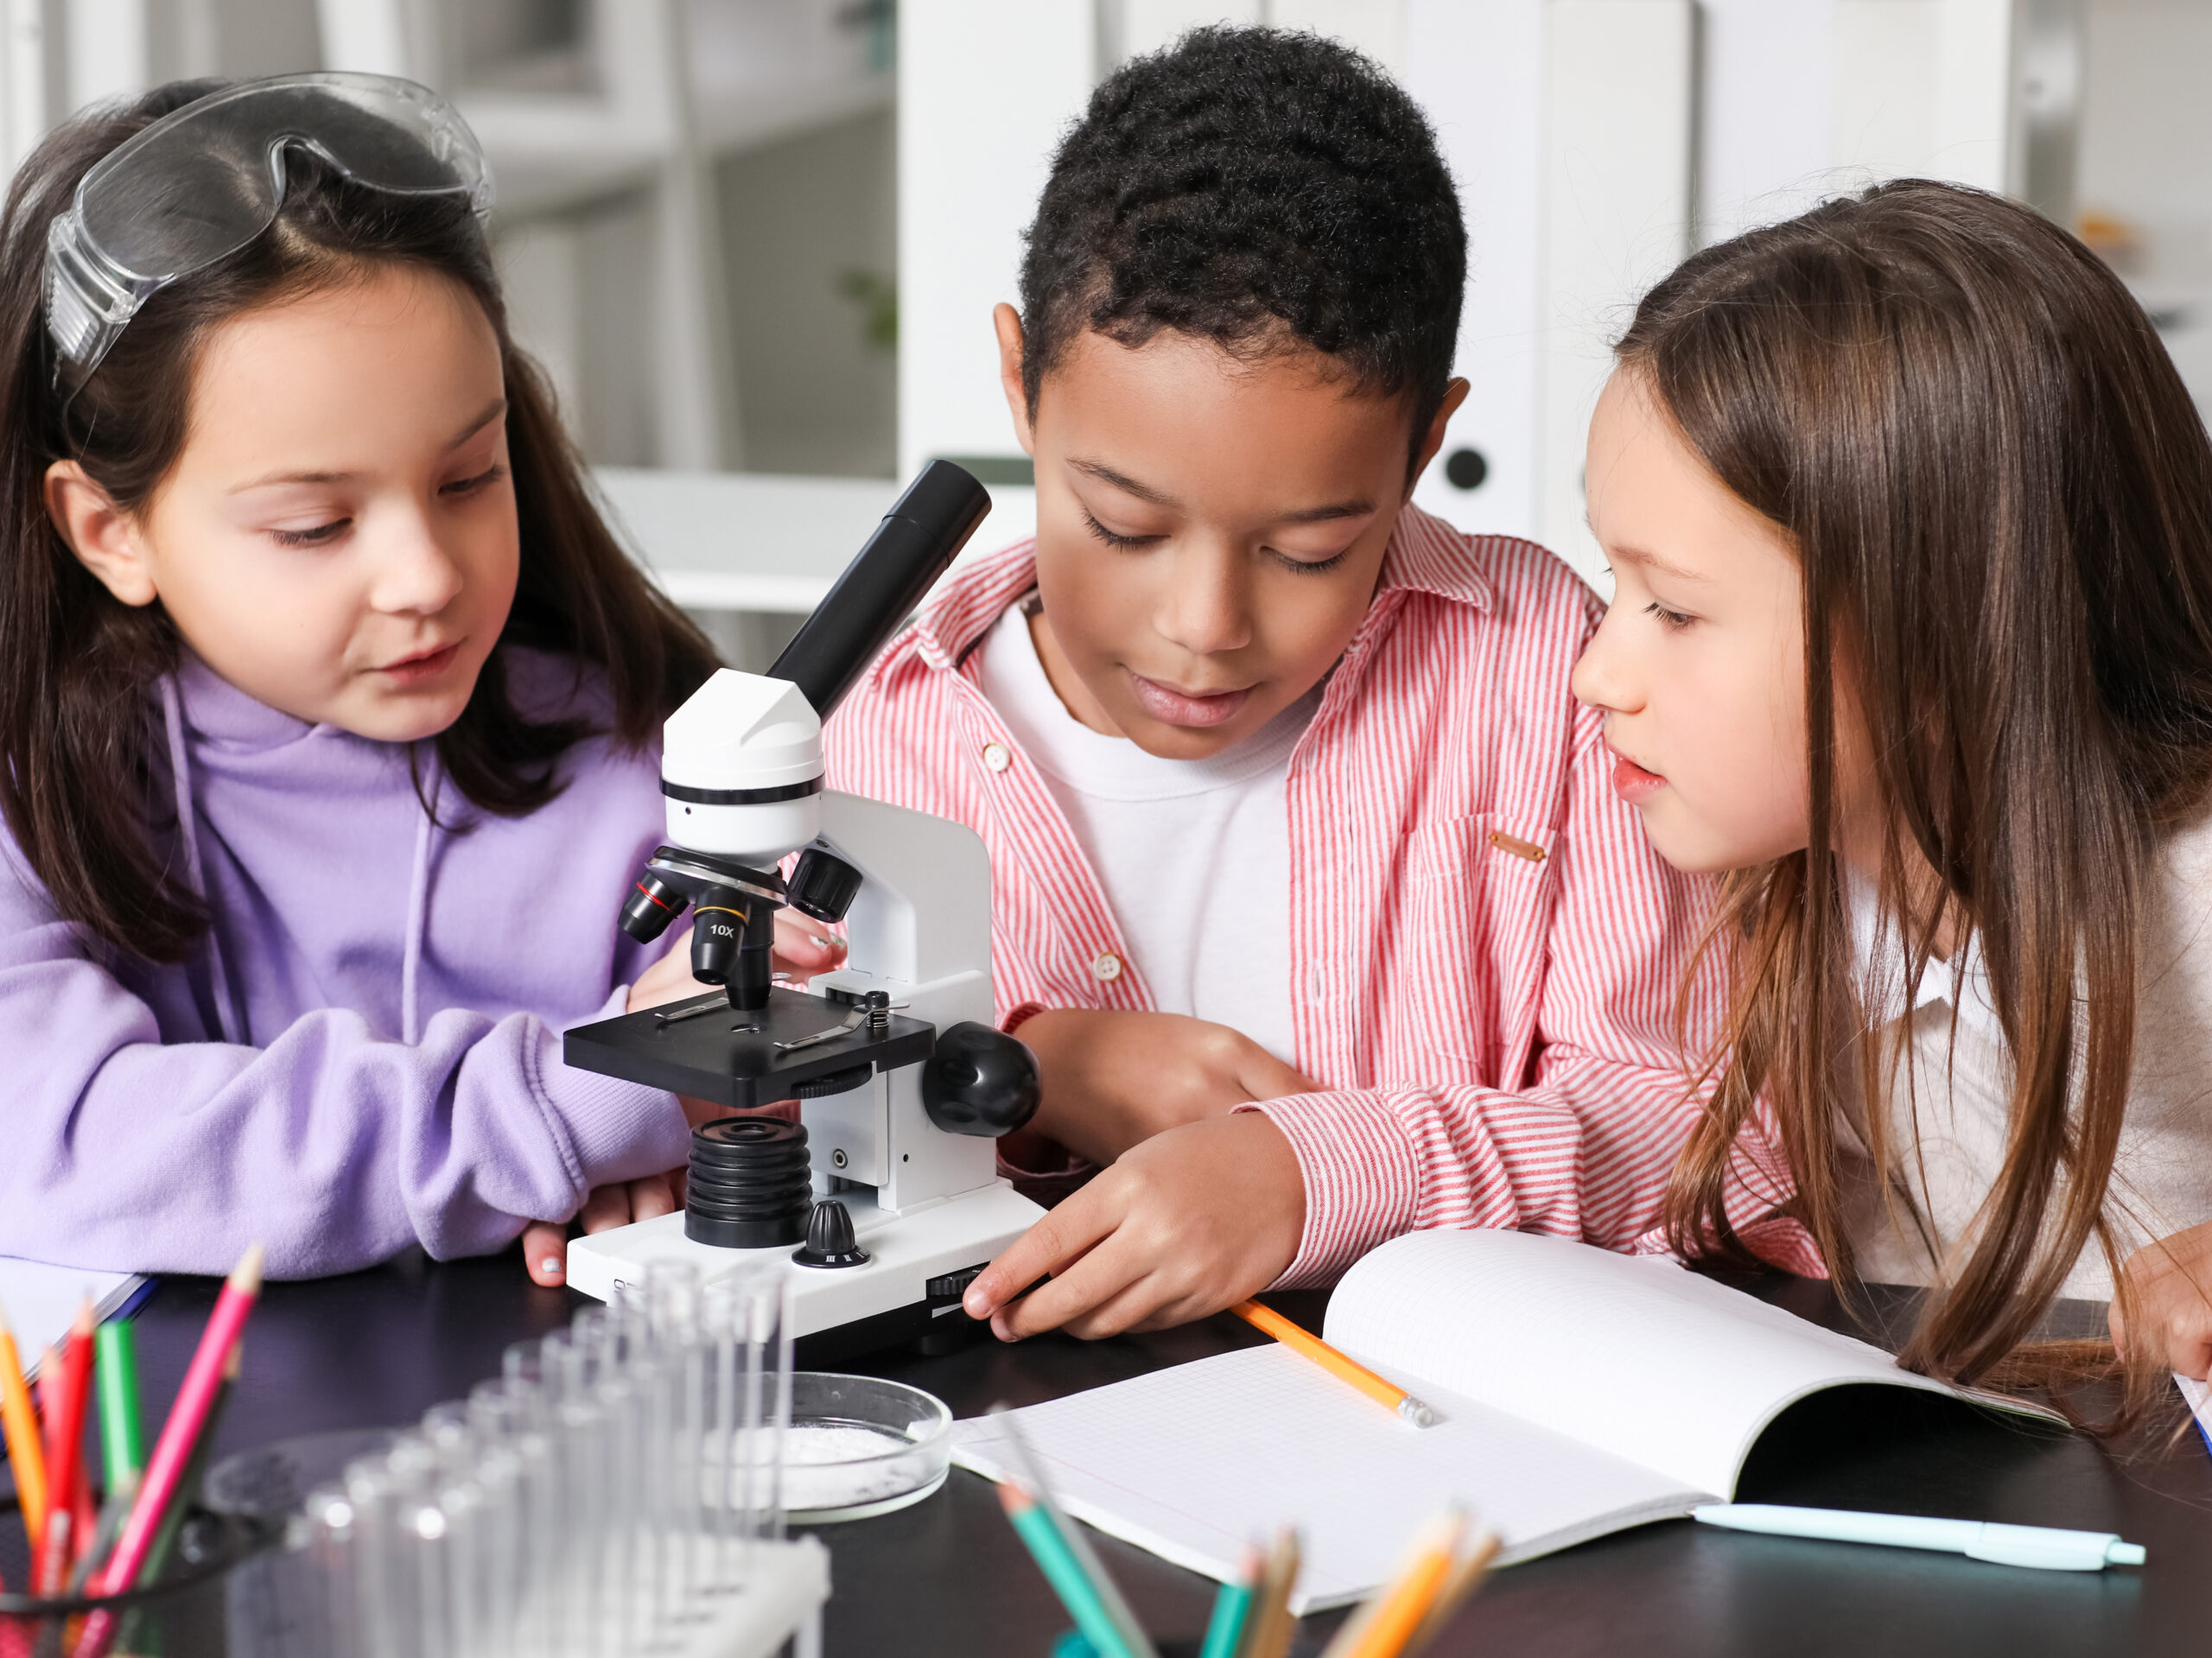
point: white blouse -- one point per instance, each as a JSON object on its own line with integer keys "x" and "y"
{"x": 1960, "y": 1086}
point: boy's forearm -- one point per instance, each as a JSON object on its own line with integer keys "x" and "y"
{"x": 1380, "y": 1163}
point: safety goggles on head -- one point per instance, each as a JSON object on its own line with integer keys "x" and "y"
{"x": 201, "y": 183}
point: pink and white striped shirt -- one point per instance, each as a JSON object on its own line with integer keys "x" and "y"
{"x": 1485, "y": 951}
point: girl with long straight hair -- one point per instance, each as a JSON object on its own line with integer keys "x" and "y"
{"x": 1910, "y": 518}
{"x": 327, "y": 707}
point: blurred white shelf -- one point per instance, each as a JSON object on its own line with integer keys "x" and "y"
{"x": 551, "y": 152}
{"x": 752, "y": 542}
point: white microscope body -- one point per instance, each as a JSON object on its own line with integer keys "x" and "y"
{"x": 888, "y": 1053}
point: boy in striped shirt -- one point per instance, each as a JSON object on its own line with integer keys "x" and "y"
{"x": 1311, "y": 894}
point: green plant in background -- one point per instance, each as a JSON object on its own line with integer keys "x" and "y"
{"x": 880, "y": 19}
{"x": 877, "y": 295}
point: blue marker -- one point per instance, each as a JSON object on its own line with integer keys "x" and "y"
{"x": 2040, "y": 1547}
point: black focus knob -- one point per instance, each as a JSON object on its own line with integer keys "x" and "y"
{"x": 823, "y": 885}
{"x": 830, "y": 1240}
{"x": 980, "y": 1082}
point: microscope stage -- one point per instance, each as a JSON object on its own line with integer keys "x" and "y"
{"x": 710, "y": 1049}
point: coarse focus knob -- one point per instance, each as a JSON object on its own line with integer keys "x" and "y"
{"x": 830, "y": 1240}
{"x": 822, "y": 885}
{"x": 980, "y": 1082}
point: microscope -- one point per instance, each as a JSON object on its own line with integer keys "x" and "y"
{"x": 883, "y": 1201}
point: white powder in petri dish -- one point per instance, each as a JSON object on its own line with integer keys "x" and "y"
{"x": 838, "y": 1465}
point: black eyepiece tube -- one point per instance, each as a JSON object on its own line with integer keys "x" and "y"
{"x": 921, "y": 534}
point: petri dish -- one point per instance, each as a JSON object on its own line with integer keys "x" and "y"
{"x": 859, "y": 1445}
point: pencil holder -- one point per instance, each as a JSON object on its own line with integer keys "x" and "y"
{"x": 182, "y": 1614}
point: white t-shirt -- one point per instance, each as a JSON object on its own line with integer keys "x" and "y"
{"x": 1960, "y": 1094}
{"x": 1194, "y": 854}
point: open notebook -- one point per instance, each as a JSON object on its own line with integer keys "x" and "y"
{"x": 1583, "y": 1392}
{"x": 40, "y": 1302}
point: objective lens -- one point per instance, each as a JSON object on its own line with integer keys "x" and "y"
{"x": 716, "y": 937}
{"x": 653, "y": 904}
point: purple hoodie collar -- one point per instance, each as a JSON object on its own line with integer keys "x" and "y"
{"x": 218, "y": 713}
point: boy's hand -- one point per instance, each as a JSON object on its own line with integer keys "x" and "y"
{"x": 1186, "y": 1224}
{"x": 2173, "y": 1292}
{"x": 1113, "y": 1079}
{"x": 803, "y": 949}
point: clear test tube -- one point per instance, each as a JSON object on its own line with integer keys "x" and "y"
{"x": 721, "y": 1324}
{"x": 672, "y": 1300}
{"x": 763, "y": 1401}
{"x": 384, "y": 1491}
{"x": 521, "y": 1362}
{"x": 419, "y": 1580}
{"x": 514, "y": 1411}
{"x": 330, "y": 1548}
{"x": 512, "y": 1468}
{"x": 578, "y": 1431}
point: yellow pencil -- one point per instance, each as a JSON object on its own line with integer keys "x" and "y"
{"x": 1459, "y": 1589}
{"x": 26, "y": 1454}
{"x": 1344, "y": 1369}
{"x": 1399, "y": 1609}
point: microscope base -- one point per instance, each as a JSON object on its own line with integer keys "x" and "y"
{"x": 836, "y": 1310}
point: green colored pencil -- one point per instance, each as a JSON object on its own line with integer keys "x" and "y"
{"x": 1062, "y": 1570}
{"x": 1225, "y": 1629}
{"x": 123, "y": 1427}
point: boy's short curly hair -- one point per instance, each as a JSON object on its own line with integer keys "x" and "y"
{"x": 1261, "y": 189}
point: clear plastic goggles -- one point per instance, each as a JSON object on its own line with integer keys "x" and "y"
{"x": 201, "y": 183}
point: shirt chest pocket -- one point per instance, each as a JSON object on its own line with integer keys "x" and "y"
{"x": 1470, "y": 907}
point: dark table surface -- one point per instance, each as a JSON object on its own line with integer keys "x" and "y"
{"x": 948, "y": 1576}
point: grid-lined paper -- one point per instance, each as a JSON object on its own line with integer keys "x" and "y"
{"x": 1194, "y": 1461}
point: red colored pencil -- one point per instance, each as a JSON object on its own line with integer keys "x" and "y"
{"x": 166, "y": 1467}
{"x": 65, "y": 1386}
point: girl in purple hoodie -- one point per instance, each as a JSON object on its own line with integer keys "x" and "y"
{"x": 329, "y": 705}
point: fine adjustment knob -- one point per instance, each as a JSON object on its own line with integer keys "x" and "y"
{"x": 980, "y": 1082}
{"x": 830, "y": 1240}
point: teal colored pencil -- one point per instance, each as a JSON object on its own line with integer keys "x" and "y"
{"x": 1061, "y": 1569}
{"x": 1226, "y": 1628}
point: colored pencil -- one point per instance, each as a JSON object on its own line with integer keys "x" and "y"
{"x": 66, "y": 1385}
{"x": 1269, "y": 1626}
{"x": 1381, "y": 1627}
{"x": 187, "y": 1488}
{"x": 1063, "y": 1571}
{"x": 1032, "y": 1477}
{"x": 172, "y": 1454}
{"x": 1459, "y": 1589}
{"x": 113, "y": 1512}
{"x": 195, "y": 1471}
{"x": 1225, "y": 1629}
{"x": 123, "y": 1427}
{"x": 25, "y": 1453}
{"x": 1308, "y": 1345}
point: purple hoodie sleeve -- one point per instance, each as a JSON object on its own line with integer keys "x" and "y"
{"x": 332, "y": 1147}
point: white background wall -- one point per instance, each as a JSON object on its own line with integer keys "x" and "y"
{"x": 1595, "y": 142}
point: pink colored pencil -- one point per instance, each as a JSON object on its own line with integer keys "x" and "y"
{"x": 172, "y": 1451}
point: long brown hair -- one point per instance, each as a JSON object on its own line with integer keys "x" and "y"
{"x": 2000, "y": 495}
{"x": 80, "y": 666}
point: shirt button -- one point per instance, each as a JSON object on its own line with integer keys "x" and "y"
{"x": 1106, "y": 966}
{"x": 995, "y": 757}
